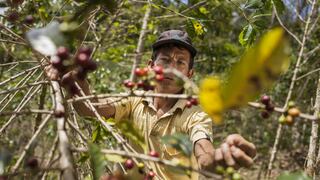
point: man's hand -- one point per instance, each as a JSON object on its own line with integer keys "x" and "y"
{"x": 235, "y": 152}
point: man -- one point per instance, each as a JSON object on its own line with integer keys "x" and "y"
{"x": 157, "y": 117}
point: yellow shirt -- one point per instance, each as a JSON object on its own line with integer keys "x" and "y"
{"x": 179, "y": 119}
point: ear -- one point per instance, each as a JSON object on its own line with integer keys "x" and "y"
{"x": 190, "y": 73}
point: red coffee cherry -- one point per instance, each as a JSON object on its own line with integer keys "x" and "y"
{"x": 56, "y": 62}
{"x": 29, "y": 19}
{"x": 265, "y": 114}
{"x": 151, "y": 175}
{"x": 140, "y": 84}
{"x": 270, "y": 107}
{"x": 159, "y": 77}
{"x": 82, "y": 59}
{"x": 154, "y": 154}
{"x": 91, "y": 66}
{"x": 13, "y": 16}
{"x": 189, "y": 104}
{"x": 129, "y": 164}
{"x": 265, "y": 99}
{"x": 86, "y": 50}
{"x": 158, "y": 69}
{"x": 63, "y": 52}
{"x": 194, "y": 101}
{"x": 32, "y": 163}
{"x": 129, "y": 84}
{"x": 140, "y": 72}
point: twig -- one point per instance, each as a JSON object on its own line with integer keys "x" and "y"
{"x": 24, "y": 101}
{"x": 13, "y": 63}
{"x": 282, "y": 110}
{"x": 17, "y": 75}
{"x": 284, "y": 27}
{"x": 311, "y": 157}
{"x": 74, "y": 127}
{"x": 31, "y": 111}
{"x": 201, "y": 3}
{"x": 293, "y": 80}
{"x": 50, "y": 156}
{"x": 26, "y": 148}
{"x": 154, "y": 159}
{"x": 13, "y": 42}
{"x": 22, "y": 82}
{"x": 64, "y": 146}
{"x": 139, "y": 50}
{"x": 23, "y": 87}
{"x": 133, "y": 94}
{"x": 307, "y": 74}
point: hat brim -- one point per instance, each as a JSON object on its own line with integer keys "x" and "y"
{"x": 192, "y": 50}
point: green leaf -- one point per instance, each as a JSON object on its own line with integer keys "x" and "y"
{"x": 96, "y": 135}
{"x": 190, "y": 29}
{"x": 180, "y": 142}
{"x": 114, "y": 158}
{"x": 247, "y": 35}
{"x": 83, "y": 157}
{"x": 293, "y": 176}
{"x": 96, "y": 161}
{"x": 203, "y": 10}
{"x": 279, "y": 5}
{"x": 130, "y": 132}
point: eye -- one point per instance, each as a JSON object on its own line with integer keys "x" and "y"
{"x": 180, "y": 62}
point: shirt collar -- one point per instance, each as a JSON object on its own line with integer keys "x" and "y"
{"x": 180, "y": 104}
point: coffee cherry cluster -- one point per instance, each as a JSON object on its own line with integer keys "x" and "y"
{"x": 145, "y": 78}
{"x": 269, "y": 107}
{"x": 129, "y": 164}
{"x": 80, "y": 62}
{"x": 191, "y": 102}
{"x": 228, "y": 173}
{"x": 291, "y": 113}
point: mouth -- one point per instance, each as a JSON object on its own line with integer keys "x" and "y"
{"x": 169, "y": 78}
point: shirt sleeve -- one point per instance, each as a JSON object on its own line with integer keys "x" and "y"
{"x": 122, "y": 107}
{"x": 200, "y": 127}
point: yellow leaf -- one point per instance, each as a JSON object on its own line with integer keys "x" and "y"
{"x": 210, "y": 98}
{"x": 259, "y": 67}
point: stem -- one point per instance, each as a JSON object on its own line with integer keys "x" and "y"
{"x": 66, "y": 159}
{"x": 293, "y": 80}
{"x": 27, "y": 147}
{"x": 140, "y": 45}
{"x": 311, "y": 157}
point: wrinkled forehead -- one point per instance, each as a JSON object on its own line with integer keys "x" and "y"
{"x": 170, "y": 51}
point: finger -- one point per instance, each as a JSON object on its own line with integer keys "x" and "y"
{"x": 240, "y": 157}
{"x": 243, "y": 144}
{"x": 218, "y": 156}
{"x": 227, "y": 155}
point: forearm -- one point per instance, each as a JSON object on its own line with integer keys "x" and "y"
{"x": 204, "y": 153}
{"x": 83, "y": 108}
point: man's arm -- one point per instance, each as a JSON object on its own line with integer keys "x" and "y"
{"x": 235, "y": 152}
{"x": 81, "y": 108}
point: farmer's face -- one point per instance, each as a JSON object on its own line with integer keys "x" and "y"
{"x": 177, "y": 58}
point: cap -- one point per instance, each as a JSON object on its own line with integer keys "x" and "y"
{"x": 175, "y": 36}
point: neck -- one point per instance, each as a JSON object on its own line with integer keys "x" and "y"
{"x": 164, "y": 103}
